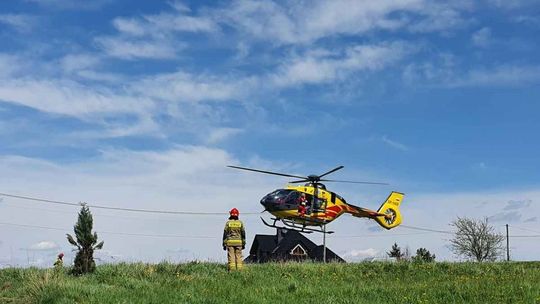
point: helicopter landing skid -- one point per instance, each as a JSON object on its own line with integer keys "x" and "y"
{"x": 290, "y": 225}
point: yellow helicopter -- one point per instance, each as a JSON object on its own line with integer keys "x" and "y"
{"x": 308, "y": 208}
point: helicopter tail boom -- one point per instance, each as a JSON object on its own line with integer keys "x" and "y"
{"x": 389, "y": 215}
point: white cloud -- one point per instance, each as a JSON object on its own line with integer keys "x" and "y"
{"x": 44, "y": 246}
{"x": 76, "y": 62}
{"x": 511, "y": 4}
{"x": 10, "y": 65}
{"x": 440, "y": 17}
{"x": 132, "y": 49}
{"x": 307, "y": 22}
{"x": 181, "y": 86}
{"x": 179, "y": 6}
{"x": 180, "y": 23}
{"x": 326, "y": 67}
{"x": 260, "y": 19}
{"x": 69, "y": 98}
{"x": 506, "y": 217}
{"x": 71, "y": 4}
{"x": 20, "y": 22}
{"x": 163, "y": 24}
{"x": 482, "y": 37}
{"x": 129, "y": 26}
{"x": 394, "y": 144}
{"x": 153, "y": 36}
{"x": 446, "y": 73}
{"x": 511, "y": 205}
{"x": 220, "y": 134}
{"x": 361, "y": 253}
{"x": 507, "y": 75}
{"x": 441, "y": 69}
{"x": 109, "y": 96}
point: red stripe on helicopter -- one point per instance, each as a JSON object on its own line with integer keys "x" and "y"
{"x": 336, "y": 209}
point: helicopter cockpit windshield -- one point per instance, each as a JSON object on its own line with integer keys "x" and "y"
{"x": 281, "y": 198}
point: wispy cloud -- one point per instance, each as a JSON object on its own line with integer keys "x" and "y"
{"x": 44, "y": 246}
{"x": 299, "y": 23}
{"x": 508, "y": 216}
{"x": 71, "y": 4}
{"x": 482, "y": 37}
{"x": 512, "y": 205}
{"x": 505, "y": 75}
{"x": 394, "y": 144}
{"x": 133, "y": 49}
{"x": 153, "y": 36}
{"x": 321, "y": 67}
{"x": 20, "y": 22}
{"x": 448, "y": 74}
{"x": 220, "y": 134}
{"x": 359, "y": 254}
{"x": 511, "y": 4}
{"x": 186, "y": 87}
{"x": 69, "y": 98}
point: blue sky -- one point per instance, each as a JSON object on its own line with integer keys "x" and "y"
{"x": 99, "y": 101}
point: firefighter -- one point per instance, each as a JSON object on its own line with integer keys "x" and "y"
{"x": 59, "y": 262}
{"x": 234, "y": 240}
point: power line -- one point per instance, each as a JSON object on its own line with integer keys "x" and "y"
{"x": 427, "y": 229}
{"x": 215, "y": 237}
{"x": 450, "y": 232}
{"x": 114, "y": 233}
{"x": 379, "y": 235}
{"x": 98, "y": 214}
{"x": 35, "y": 199}
{"x": 524, "y": 229}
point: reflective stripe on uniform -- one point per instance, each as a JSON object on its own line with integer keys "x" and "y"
{"x": 234, "y": 224}
{"x": 234, "y": 242}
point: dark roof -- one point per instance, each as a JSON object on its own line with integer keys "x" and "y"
{"x": 288, "y": 239}
{"x": 291, "y": 239}
{"x": 263, "y": 242}
{"x": 330, "y": 255}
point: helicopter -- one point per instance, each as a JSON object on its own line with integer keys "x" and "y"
{"x": 323, "y": 206}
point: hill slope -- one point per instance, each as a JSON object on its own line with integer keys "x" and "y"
{"x": 279, "y": 283}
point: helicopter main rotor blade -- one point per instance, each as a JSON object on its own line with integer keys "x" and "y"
{"x": 267, "y": 172}
{"x": 331, "y": 171}
{"x": 299, "y": 181}
{"x": 352, "y": 182}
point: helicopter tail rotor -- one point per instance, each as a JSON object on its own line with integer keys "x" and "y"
{"x": 390, "y": 216}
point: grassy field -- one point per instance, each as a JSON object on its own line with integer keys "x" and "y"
{"x": 279, "y": 283}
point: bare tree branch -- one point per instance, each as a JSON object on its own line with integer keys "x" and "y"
{"x": 476, "y": 240}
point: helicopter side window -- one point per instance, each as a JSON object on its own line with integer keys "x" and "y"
{"x": 293, "y": 198}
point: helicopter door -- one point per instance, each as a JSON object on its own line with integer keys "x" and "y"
{"x": 315, "y": 205}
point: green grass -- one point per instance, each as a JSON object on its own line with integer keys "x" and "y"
{"x": 279, "y": 283}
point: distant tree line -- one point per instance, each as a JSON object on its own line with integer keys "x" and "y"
{"x": 422, "y": 255}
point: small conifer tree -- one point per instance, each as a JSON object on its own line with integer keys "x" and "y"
{"x": 423, "y": 255}
{"x": 86, "y": 243}
{"x": 395, "y": 252}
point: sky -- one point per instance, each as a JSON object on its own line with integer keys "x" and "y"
{"x": 143, "y": 105}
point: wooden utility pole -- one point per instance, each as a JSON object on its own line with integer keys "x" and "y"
{"x": 507, "y": 245}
